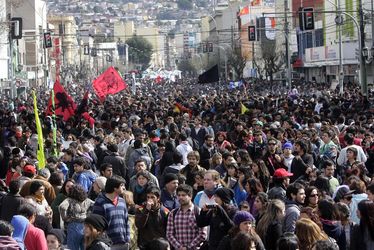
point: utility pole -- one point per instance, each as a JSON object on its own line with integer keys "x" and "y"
{"x": 363, "y": 76}
{"x": 339, "y": 23}
{"x": 288, "y": 53}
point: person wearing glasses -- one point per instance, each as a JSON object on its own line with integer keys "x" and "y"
{"x": 272, "y": 157}
{"x": 311, "y": 197}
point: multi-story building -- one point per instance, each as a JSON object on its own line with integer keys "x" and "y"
{"x": 32, "y": 55}
{"x": 65, "y": 28}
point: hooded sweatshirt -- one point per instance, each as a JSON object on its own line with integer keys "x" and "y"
{"x": 334, "y": 230}
{"x": 292, "y": 215}
{"x": 20, "y": 224}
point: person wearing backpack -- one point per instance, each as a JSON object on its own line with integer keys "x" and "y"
{"x": 151, "y": 218}
{"x": 182, "y": 231}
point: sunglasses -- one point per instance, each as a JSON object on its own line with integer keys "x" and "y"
{"x": 313, "y": 195}
{"x": 272, "y": 144}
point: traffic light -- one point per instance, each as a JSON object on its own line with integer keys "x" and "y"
{"x": 252, "y": 33}
{"x": 306, "y": 17}
{"x": 47, "y": 40}
{"x": 86, "y": 49}
{"x": 93, "y": 52}
{"x": 16, "y": 28}
{"x": 210, "y": 47}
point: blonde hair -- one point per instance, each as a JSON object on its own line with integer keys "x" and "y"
{"x": 308, "y": 233}
{"x": 215, "y": 175}
{"x": 215, "y": 158}
{"x": 128, "y": 196}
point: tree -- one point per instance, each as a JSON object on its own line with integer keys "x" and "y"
{"x": 185, "y": 66}
{"x": 185, "y": 4}
{"x": 272, "y": 59}
{"x": 98, "y": 9}
{"x": 237, "y": 62}
{"x": 140, "y": 51}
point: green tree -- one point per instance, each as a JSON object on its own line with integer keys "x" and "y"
{"x": 185, "y": 4}
{"x": 186, "y": 66}
{"x": 140, "y": 51}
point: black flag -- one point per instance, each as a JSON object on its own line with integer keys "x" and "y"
{"x": 211, "y": 75}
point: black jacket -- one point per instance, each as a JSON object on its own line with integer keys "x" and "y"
{"x": 9, "y": 205}
{"x": 205, "y": 155}
{"x": 273, "y": 233}
{"x": 219, "y": 222}
{"x": 101, "y": 243}
{"x": 299, "y": 166}
{"x": 118, "y": 163}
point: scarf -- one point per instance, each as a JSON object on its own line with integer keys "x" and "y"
{"x": 39, "y": 198}
{"x": 210, "y": 193}
{"x": 139, "y": 189}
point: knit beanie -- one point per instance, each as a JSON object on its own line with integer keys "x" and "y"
{"x": 287, "y": 145}
{"x": 101, "y": 181}
{"x": 59, "y": 233}
{"x": 242, "y": 216}
{"x": 170, "y": 177}
{"x": 97, "y": 221}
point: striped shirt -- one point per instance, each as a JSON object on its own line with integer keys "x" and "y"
{"x": 118, "y": 230}
{"x": 182, "y": 230}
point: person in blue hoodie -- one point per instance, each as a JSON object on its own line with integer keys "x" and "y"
{"x": 20, "y": 225}
{"x": 332, "y": 228}
{"x": 295, "y": 199}
{"x": 82, "y": 175}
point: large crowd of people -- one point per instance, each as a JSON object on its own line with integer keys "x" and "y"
{"x": 186, "y": 166}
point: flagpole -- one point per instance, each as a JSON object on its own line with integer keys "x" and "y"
{"x": 40, "y": 150}
{"x": 54, "y": 125}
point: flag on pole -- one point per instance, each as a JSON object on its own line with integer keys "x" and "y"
{"x": 108, "y": 83}
{"x": 64, "y": 104}
{"x": 211, "y": 75}
{"x": 244, "y": 11}
{"x": 243, "y": 109}
{"x": 179, "y": 108}
{"x": 40, "y": 151}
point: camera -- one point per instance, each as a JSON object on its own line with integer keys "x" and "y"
{"x": 210, "y": 206}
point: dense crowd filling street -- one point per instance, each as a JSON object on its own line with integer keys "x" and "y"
{"x": 181, "y": 165}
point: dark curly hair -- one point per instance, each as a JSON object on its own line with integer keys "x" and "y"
{"x": 78, "y": 193}
{"x": 34, "y": 187}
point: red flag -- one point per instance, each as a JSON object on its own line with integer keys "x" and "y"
{"x": 244, "y": 11}
{"x": 89, "y": 118}
{"x": 158, "y": 79}
{"x": 180, "y": 108}
{"x": 109, "y": 82}
{"x": 64, "y": 104}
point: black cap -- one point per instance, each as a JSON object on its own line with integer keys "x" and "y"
{"x": 59, "y": 233}
{"x": 97, "y": 221}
